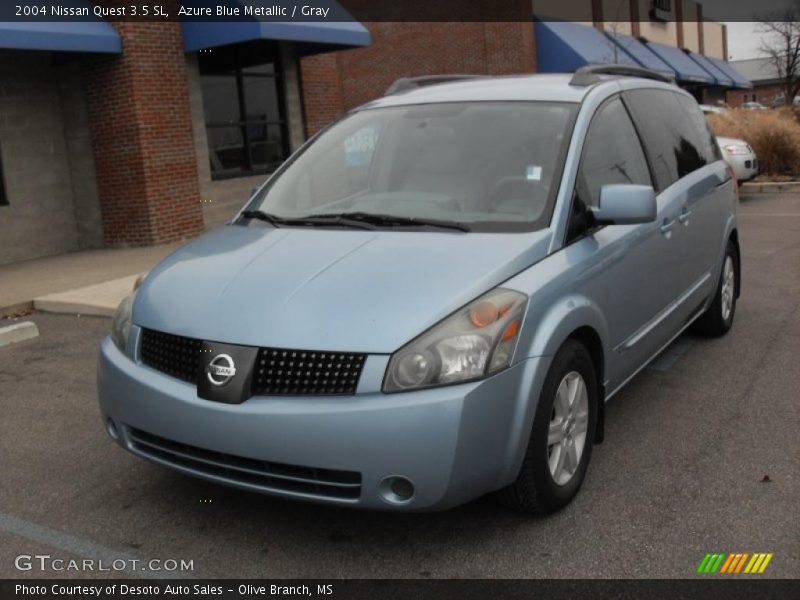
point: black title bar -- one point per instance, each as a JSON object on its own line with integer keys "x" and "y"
{"x": 387, "y": 10}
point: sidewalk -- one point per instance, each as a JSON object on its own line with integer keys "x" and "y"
{"x": 22, "y": 282}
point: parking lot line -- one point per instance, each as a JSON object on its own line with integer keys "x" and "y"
{"x": 79, "y": 547}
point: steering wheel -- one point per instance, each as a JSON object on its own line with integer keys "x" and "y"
{"x": 503, "y": 190}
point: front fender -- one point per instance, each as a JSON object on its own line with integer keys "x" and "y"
{"x": 544, "y": 331}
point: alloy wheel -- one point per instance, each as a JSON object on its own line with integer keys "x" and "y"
{"x": 728, "y": 288}
{"x": 568, "y": 426}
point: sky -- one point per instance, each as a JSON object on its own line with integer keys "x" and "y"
{"x": 743, "y": 37}
{"x": 743, "y": 40}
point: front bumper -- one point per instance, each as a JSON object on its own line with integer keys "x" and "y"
{"x": 453, "y": 443}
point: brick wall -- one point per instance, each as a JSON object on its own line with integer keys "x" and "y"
{"x": 322, "y": 90}
{"x": 336, "y": 82}
{"x": 764, "y": 94}
{"x": 141, "y": 129}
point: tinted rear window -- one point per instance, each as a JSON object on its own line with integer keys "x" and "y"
{"x": 700, "y": 128}
{"x": 3, "y": 200}
{"x": 675, "y": 133}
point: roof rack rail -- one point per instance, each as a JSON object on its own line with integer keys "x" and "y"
{"x": 404, "y": 84}
{"x": 591, "y": 74}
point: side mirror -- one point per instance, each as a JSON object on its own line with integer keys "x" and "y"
{"x": 626, "y": 204}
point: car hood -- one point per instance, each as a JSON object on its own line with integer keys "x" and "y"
{"x": 325, "y": 289}
{"x": 726, "y": 141}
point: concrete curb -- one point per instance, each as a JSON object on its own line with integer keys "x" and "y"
{"x": 18, "y": 332}
{"x": 99, "y": 300}
{"x": 771, "y": 188}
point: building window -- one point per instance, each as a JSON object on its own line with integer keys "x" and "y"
{"x": 244, "y": 109}
{"x": 3, "y": 197}
{"x": 661, "y": 10}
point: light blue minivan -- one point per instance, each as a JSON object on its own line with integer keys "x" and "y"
{"x": 435, "y": 296}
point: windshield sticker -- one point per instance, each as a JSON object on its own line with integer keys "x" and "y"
{"x": 360, "y": 146}
{"x": 534, "y": 173}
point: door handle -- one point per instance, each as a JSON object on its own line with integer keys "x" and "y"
{"x": 684, "y": 216}
{"x": 726, "y": 180}
{"x": 667, "y": 226}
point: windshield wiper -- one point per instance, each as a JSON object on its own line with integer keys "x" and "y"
{"x": 389, "y": 220}
{"x": 313, "y": 220}
{"x": 274, "y": 220}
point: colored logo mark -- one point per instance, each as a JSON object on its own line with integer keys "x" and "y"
{"x": 736, "y": 562}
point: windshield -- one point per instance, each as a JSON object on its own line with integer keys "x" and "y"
{"x": 486, "y": 166}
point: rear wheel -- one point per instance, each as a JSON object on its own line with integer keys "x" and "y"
{"x": 562, "y": 437}
{"x": 718, "y": 318}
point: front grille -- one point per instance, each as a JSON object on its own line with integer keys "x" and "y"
{"x": 264, "y": 475}
{"x": 290, "y": 372}
{"x": 277, "y": 371}
{"x": 171, "y": 354}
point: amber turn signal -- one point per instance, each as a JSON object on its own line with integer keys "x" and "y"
{"x": 511, "y": 331}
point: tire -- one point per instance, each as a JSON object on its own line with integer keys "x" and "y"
{"x": 718, "y": 318}
{"x": 537, "y": 489}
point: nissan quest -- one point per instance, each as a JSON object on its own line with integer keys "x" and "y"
{"x": 434, "y": 297}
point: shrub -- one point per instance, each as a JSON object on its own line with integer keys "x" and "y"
{"x": 773, "y": 134}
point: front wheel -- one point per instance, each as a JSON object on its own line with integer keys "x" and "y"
{"x": 562, "y": 437}
{"x": 718, "y": 318}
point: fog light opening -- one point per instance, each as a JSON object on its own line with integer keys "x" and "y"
{"x": 111, "y": 427}
{"x": 397, "y": 489}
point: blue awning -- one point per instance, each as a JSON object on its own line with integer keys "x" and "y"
{"x": 565, "y": 47}
{"x": 707, "y": 65}
{"x": 64, "y": 36}
{"x": 739, "y": 80}
{"x": 641, "y": 54}
{"x": 317, "y": 36}
{"x": 685, "y": 68}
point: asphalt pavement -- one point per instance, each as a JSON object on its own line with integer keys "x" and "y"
{"x": 702, "y": 454}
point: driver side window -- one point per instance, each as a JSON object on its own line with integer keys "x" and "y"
{"x": 612, "y": 153}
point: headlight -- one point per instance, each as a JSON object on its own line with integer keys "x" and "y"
{"x": 474, "y": 342}
{"x": 121, "y": 325}
{"x": 736, "y": 149}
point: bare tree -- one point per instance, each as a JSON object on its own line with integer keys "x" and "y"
{"x": 780, "y": 43}
{"x": 614, "y": 28}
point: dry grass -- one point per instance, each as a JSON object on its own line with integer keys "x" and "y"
{"x": 773, "y": 134}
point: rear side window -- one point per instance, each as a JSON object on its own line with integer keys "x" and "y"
{"x": 700, "y": 129}
{"x": 612, "y": 154}
{"x": 3, "y": 199}
{"x": 676, "y": 141}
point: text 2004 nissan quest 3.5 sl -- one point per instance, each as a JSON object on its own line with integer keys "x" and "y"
{"x": 434, "y": 297}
